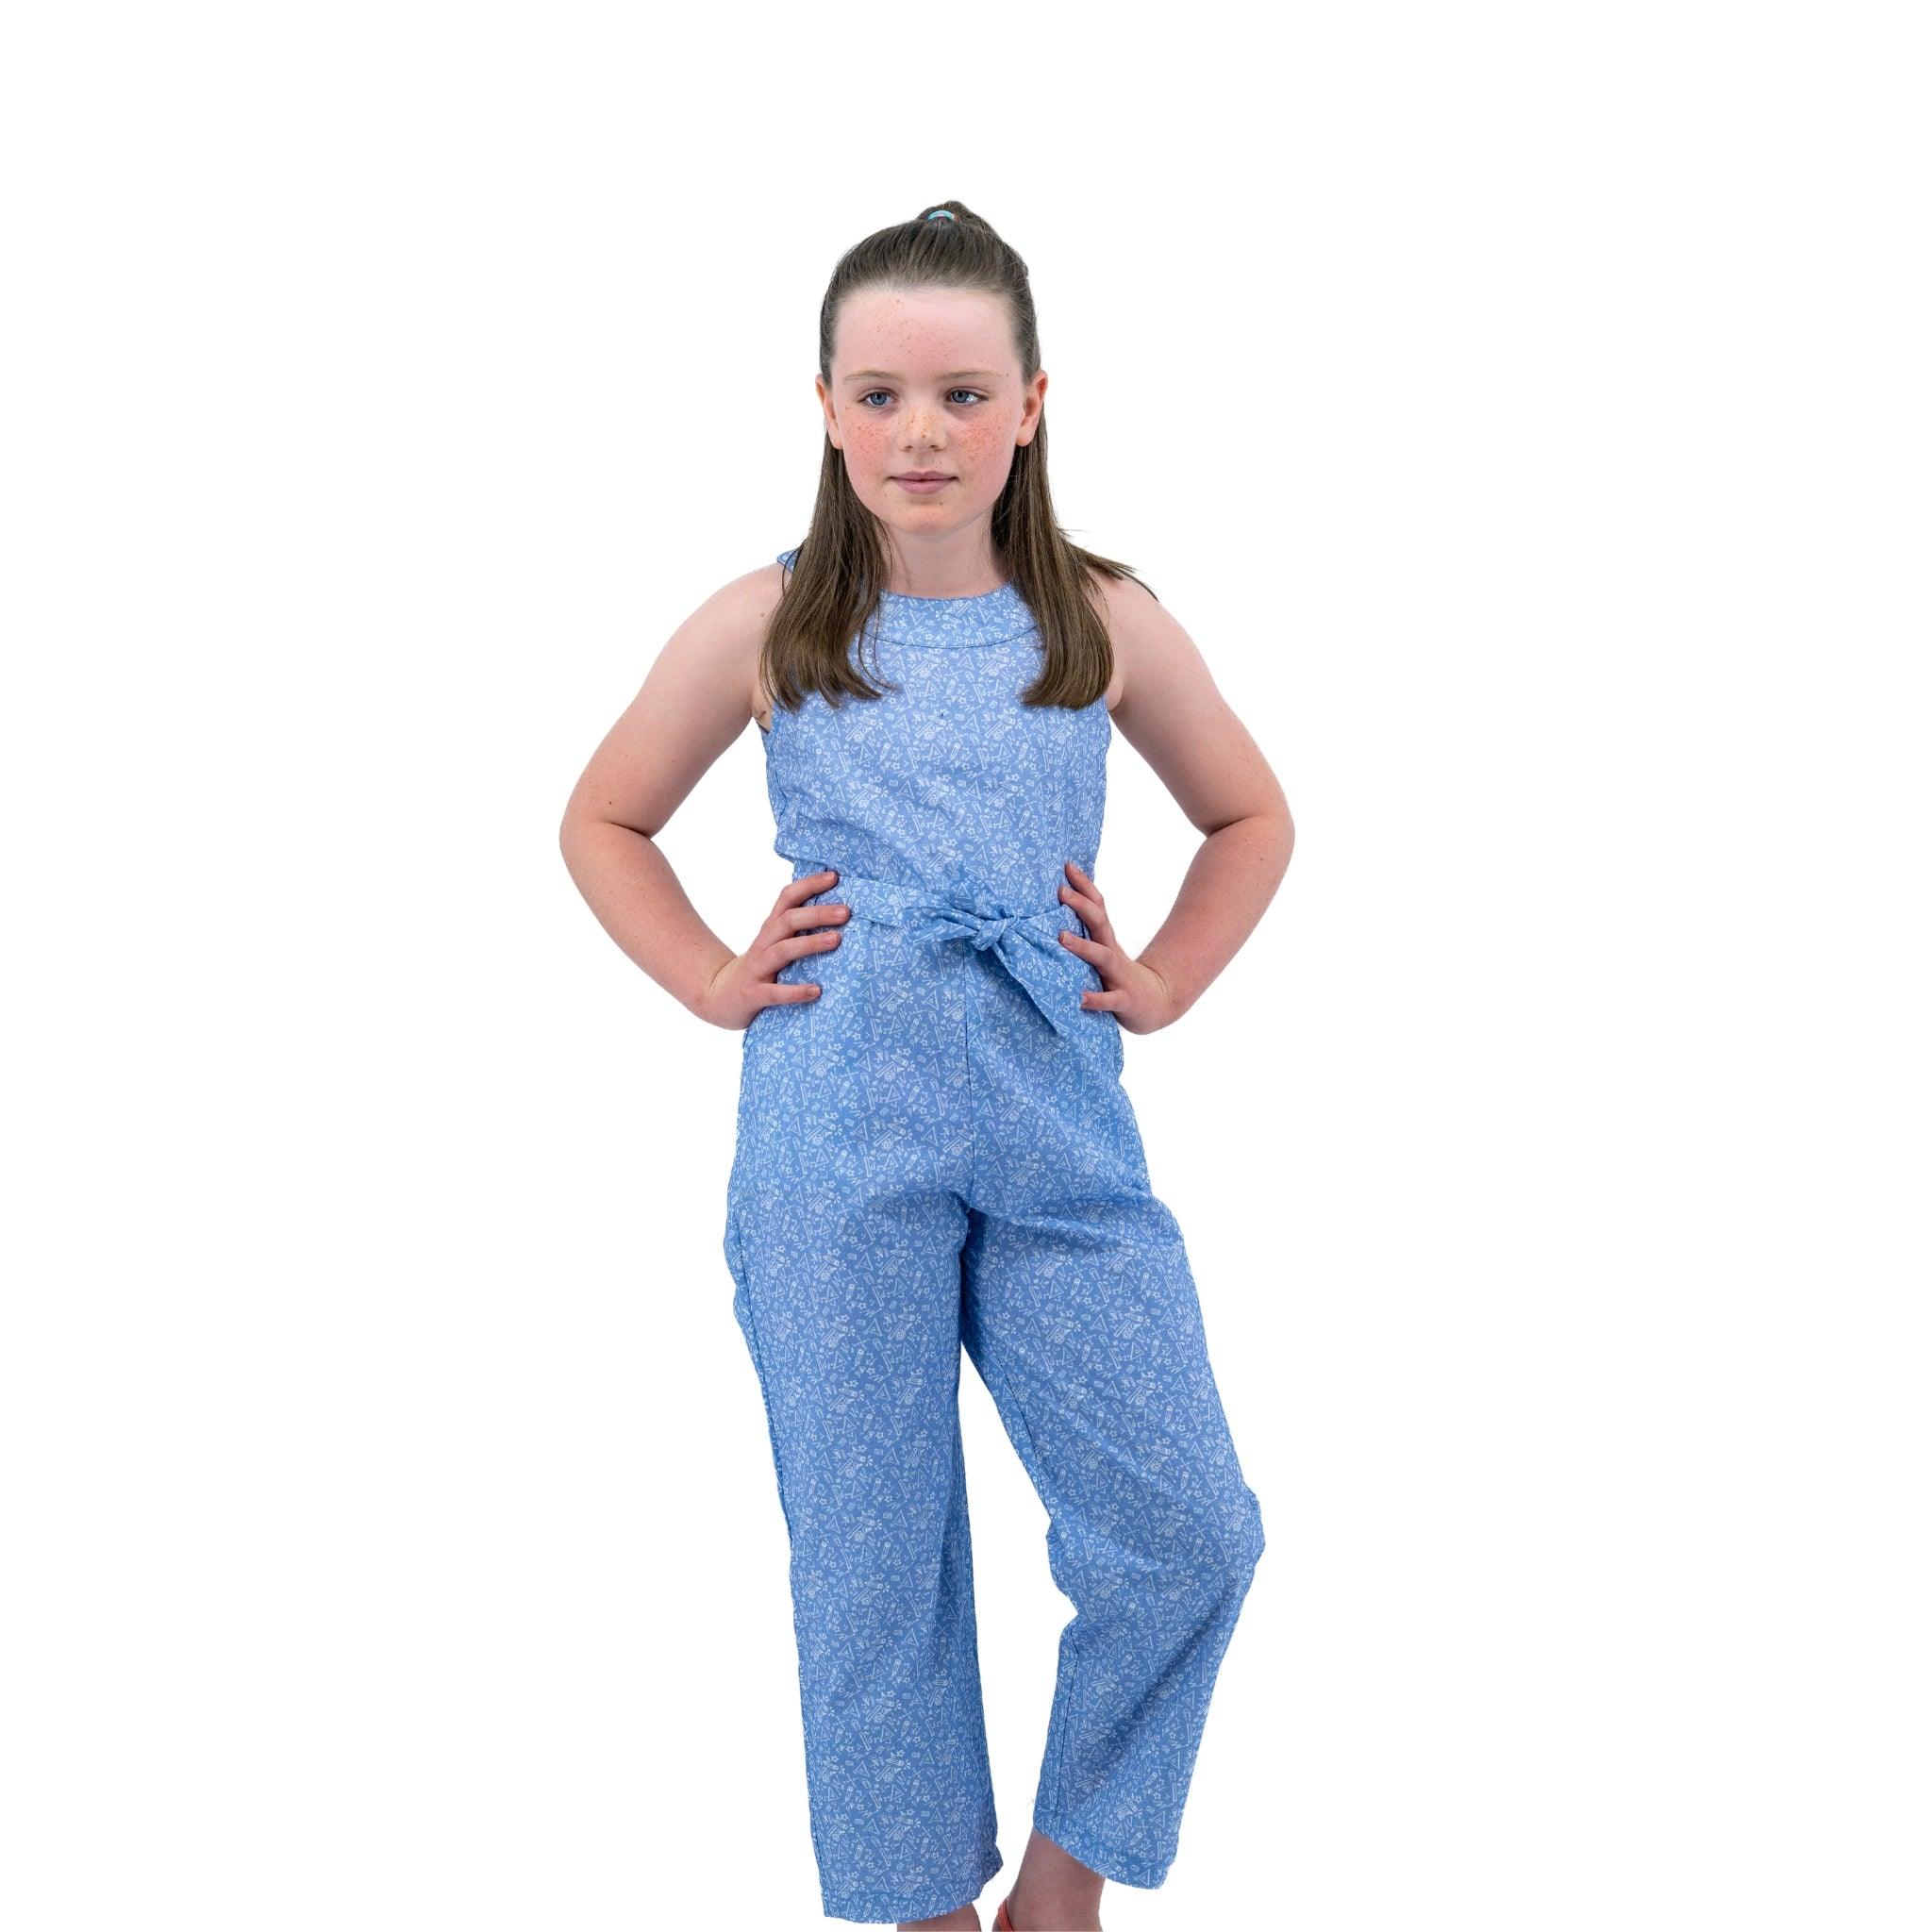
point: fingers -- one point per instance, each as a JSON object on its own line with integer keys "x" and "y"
{"x": 793, "y": 930}
{"x": 1094, "y": 950}
{"x": 785, "y": 951}
{"x": 803, "y": 888}
{"x": 1083, "y": 895}
{"x": 1085, "y": 881}
{"x": 1092, "y": 915}
{"x": 790, "y": 915}
{"x": 797, "y": 918}
{"x": 783, "y": 992}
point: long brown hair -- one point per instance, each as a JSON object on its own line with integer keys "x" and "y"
{"x": 832, "y": 591}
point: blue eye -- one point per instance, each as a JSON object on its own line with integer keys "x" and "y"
{"x": 871, "y": 393}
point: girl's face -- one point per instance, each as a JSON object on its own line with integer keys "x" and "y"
{"x": 927, "y": 380}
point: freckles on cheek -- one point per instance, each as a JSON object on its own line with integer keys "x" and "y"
{"x": 985, "y": 444}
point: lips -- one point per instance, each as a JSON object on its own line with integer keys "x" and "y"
{"x": 923, "y": 476}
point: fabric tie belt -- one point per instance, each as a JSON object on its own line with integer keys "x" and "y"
{"x": 1024, "y": 939}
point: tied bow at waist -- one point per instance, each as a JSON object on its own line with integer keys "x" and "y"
{"x": 1024, "y": 940}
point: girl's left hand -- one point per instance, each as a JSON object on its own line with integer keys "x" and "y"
{"x": 1134, "y": 993}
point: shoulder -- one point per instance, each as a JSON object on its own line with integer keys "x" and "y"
{"x": 746, "y": 604}
{"x": 720, "y": 643}
{"x": 1143, "y": 631}
{"x": 733, "y": 618}
{"x": 753, "y": 597}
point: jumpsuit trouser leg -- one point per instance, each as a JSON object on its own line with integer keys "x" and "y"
{"x": 928, "y": 1168}
{"x": 1082, "y": 1318}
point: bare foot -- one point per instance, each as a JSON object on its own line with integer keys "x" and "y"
{"x": 1054, "y": 1893}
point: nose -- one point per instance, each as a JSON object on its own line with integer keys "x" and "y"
{"x": 920, "y": 437}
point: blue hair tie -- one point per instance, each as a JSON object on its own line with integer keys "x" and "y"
{"x": 941, "y": 214}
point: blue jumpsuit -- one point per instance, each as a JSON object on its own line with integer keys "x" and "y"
{"x": 937, "y": 1151}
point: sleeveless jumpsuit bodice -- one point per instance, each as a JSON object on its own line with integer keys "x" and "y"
{"x": 949, "y": 781}
{"x": 949, "y": 802}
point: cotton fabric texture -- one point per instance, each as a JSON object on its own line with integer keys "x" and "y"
{"x": 937, "y": 1154}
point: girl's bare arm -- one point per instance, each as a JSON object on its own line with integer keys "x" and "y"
{"x": 693, "y": 703}
{"x": 1171, "y": 712}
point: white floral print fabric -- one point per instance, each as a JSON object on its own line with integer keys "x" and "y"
{"x": 937, "y": 1154}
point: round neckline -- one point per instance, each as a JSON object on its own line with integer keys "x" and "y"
{"x": 998, "y": 616}
{"x": 974, "y": 597}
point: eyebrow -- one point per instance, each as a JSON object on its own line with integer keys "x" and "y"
{"x": 892, "y": 375}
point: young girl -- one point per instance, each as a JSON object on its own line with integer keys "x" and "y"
{"x": 934, "y": 1148}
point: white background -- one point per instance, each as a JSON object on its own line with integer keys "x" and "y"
{"x": 1524, "y": 407}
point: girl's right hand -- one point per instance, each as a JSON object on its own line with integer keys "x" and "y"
{"x": 744, "y": 986}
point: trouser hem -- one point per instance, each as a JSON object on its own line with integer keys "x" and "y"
{"x": 1123, "y": 1868}
{"x": 930, "y": 1902}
